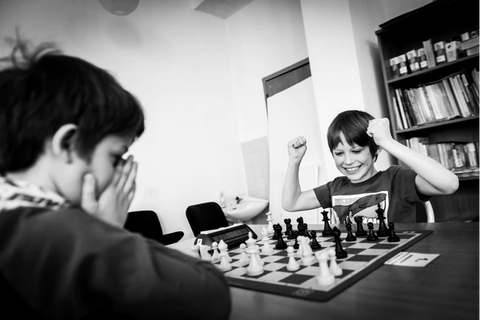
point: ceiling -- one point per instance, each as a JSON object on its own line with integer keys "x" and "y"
{"x": 220, "y": 8}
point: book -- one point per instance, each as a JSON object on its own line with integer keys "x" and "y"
{"x": 428, "y": 47}
{"x": 439, "y": 52}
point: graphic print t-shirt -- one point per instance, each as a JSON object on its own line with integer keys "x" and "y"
{"x": 392, "y": 190}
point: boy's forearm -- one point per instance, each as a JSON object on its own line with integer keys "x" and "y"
{"x": 440, "y": 179}
{"x": 291, "y": 186}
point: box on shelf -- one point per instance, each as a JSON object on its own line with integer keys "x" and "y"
{"x": 453, "y": 49}
{"x": 439, "y": 49}
{"x": 413, "y": 60}
{"x": 422, "y": 58}
{"x": 394, "y": 67}
{"x": 402, "y": 64}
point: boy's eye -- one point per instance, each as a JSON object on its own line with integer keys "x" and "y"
{"x": 338, "y": 154}
{"x": 117, "y": 160}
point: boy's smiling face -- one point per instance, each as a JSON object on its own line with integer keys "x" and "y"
{"x": 354, "y": 161}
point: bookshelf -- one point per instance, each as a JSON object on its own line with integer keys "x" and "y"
{"x": 433, "y": 99}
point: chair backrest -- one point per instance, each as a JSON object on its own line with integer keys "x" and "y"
{"x": 206, "y": 216}
{"x": 144, "y": 222}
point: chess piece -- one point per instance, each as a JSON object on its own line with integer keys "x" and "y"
{"x": 224, "y": 263}
{"x": 281, "y": 244}
{"x": 243, "y": 256}
{"x": 292, "y": 263}
{"x": 382, "y": 228}
{"x": 267, "y": 248}
{"x": 372, "y": 236}
{"x": 340, "y": 253}
{"x": 334, "y": 267}
{"x": 299, "y": 224}
{"x": 264, "y": 234}
{"x": 327, "y": 229}
{"x": 360, "y": 231}
{"x": 216, "y": 254}
{"x": 204, "y": 255}
{"x": 393, "y": 236}
{"x": 350, "y": 236}
{"x": 314, "y": 245}
{"x": 291, "y": 234}
{"x": 295, "y": 235}
{"x": 278, "y": 231}
{"x": 305, "y": 231}
{"x": 325, "y": 278}
{"x": 269, "y": 223}
{"x": 288, "y": 225}
{"x": 307, "y": 253}
{"x": 254, "y": 267}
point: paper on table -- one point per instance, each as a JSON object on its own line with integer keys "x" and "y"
{"x": 412, "y": 259}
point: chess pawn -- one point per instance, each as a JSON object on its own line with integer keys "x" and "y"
{"x": 371, "y": 233}
{"x": 254, "y": 268}
{"x": 243, "y": 256}
{"x": 350, "y": 236}
{"x": 292, "y": 263}
{"x": 267, "y": 248}
{"x": 325, "y": 278}
{"x": 334, "y": 267}
{"x": 224, "y": 263}
{"x": 393, "y": 236}
{"x": 215, "y": 255}
{"x": 360, "y": 231}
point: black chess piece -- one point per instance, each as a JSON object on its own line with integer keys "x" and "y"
{"x": 296, "y": 245}
{"x": 360, "y": 231}
{"x": 277, "y": 231}
{"x": 306, "y": 233}
{"x": 291, "y": 234}
{"x": 327, "y": 230}
{"x": 288, "y": 225}
{"x": 350, "y": 236}
{"x": 372, "y": 236}
{"x": 281, "y": 244}
{"x": 299, "y": 224}
{"x": 393, "y": 236}
{"x": 382, "y": 227}
{"x": 314, "y": 245}
{"x": 339, "y": 252}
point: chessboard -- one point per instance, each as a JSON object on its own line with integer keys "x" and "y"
{"x": 363, "y": 256}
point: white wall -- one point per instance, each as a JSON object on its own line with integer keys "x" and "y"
{"x": 175, "y": 60}
{"x": 199, "y": 77}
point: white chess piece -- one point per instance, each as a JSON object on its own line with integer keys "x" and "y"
{"x": 223, "y": 243}
{"x": 292, "y": 263}
{"x": 224, "y": 263}
{"x": 270, "y": 223}
{"x": 300, "y": 247}
{"x": 204, "y": 255}
{"x": 334, "y": 267}
{"x": 243, "y": 256}
{"x": 254, "y": 268}
{"x": 264, "y": 234}
{"x": 325, "y": 278}
{"x": 215, "y": 255}
{"x": 307, "y": 254}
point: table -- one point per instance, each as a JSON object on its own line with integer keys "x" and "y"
{"x": 447, "y": 288}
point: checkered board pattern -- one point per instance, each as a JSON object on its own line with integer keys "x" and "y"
{"x": 363, "y": 257}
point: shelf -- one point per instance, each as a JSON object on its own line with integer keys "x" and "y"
{"x": 437, "y": 71}
{"x": 436, "y": 124}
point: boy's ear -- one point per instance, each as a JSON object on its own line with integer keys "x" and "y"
{"x": 63, "y": 141}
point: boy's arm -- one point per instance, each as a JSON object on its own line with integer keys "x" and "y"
{"x": 432, "y": 178}
{"x": 293, "y": 199}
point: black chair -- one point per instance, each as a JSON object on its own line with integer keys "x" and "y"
{"x": 146, "y": 223}
{"x": 206, "y": 216}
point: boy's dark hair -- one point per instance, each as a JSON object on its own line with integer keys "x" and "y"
{"x": 353, "y": 124}
{"x": 42, "y": 89}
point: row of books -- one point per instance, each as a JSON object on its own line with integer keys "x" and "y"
{"x": 454, "y": 96}
{"x": 460, "y": 157}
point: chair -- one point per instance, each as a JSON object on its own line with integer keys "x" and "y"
{"x": 146, "y": 223}
{"x": 205, "y": 216}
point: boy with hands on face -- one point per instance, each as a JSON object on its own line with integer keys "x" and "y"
{"x": 355, "y": 139}
{"x": 65, "y": 189}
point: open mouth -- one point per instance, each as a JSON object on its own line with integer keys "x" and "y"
{"x": 352, "y": 169}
